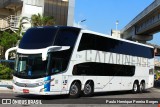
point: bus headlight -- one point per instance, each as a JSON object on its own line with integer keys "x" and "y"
{"x": 39, "y": 84}
{"x": 43, "y": 83}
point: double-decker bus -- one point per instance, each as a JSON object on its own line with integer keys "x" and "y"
{"x": 67, "y": 60}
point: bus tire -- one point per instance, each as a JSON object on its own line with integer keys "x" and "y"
{"x": 88, "y": 89}
{"x": 135, "y": 88}
{"x": 75, "y": 90}
{"x": 142, "y": 87}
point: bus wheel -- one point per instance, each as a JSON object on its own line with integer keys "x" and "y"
{"x": 88, "y": 89}
{"x": 135, "y": 88}
{"x": 142, "y": 87}
{"x": 75, "y": 90}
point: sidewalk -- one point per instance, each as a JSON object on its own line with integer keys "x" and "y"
{"x": 5, "y": 86}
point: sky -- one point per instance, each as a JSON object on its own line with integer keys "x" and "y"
{"x": 101, "y": 15}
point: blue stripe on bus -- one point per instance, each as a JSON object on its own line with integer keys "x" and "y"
{"x": 47, "y": 86}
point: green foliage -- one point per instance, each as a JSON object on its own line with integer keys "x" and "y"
{"x": 48, "y": 21}
{"x": 39, "y": 20}
{"x": 7, "y": 39}
{"x": 155, "y": 71}
{"x": 5, "y": 72}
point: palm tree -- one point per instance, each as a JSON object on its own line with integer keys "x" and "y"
{"x": 22, "y": 21}
{"x": 39, "y": 20}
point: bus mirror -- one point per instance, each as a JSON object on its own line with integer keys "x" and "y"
{"x": 44, "y": 53}
{"x": 65, "y": 47}
{"x": 52, "y": 49}
{"x": 59, "y": 48}
{"x": 9, "y": 50}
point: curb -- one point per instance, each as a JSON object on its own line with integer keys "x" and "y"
{"x": 5, "y": 82}
{"x": 5, "y": 90}
{"x": 6, "y": 86}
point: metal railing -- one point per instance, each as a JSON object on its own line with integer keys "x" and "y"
{"x": 10, "y": 22}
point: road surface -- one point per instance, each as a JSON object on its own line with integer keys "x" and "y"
{"x": 98, "y": 100}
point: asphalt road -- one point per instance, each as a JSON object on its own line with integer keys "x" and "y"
{"x": 98, "y": 100}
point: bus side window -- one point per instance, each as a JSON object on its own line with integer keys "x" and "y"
{"x": 151, "y": 72}
{"x": 81, "y": 70}
{"x": 74, "y": 72}
{"x": 56, "y": 66}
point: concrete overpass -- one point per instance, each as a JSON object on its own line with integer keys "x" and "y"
{"x": 144, "y": 25}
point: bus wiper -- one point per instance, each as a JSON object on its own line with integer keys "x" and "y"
{"x": 22, "y": 72}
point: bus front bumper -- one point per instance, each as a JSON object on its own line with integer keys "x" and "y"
{"x": 36, "y": 91}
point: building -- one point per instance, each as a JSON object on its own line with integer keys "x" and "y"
{"x": 10, "y": 7}
{"x": 12, "y": 10}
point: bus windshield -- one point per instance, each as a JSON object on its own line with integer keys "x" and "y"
{"x": 30, "y": 66}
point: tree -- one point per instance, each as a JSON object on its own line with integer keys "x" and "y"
{"x": 5, "y": 72}
{"x": 8, "y": 39}
{"x": 39, "y": 20}
{"x": 22, "y": 21}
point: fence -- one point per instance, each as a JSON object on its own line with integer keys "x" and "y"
{"x": 10, "y": 22}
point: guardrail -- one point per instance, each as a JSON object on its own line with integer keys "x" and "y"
{"x": 10, "y": 22}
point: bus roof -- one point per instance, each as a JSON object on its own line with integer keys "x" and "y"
{"x": 92, "y": 32}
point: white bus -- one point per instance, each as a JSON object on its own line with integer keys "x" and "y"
{"x": 67, "y": 60}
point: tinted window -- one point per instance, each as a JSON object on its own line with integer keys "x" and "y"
{"x": 37, "y": 38}
{"x": 103, "y": 69}
{"x": 94, "y": 42}
{"x": 59, "y": 59}
{"x": 66, "y": 37}
{"x": 87, "y": 42}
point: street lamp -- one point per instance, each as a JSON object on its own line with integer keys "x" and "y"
{"x": 81, "y": 22}
{"x": 117, "y": 22}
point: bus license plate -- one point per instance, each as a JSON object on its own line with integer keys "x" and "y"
{"x": 25, "y": 91}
